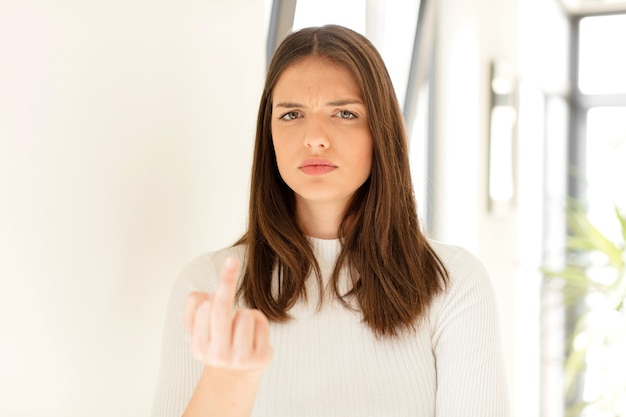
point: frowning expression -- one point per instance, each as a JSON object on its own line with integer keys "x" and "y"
{"x": 320, "y": 131}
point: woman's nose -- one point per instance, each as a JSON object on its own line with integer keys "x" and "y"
{"x": 316, "y": 137}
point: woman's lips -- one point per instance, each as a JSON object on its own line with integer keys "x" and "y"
{"x": 317, "y": 166}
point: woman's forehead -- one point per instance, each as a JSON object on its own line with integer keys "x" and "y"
{"x": 315, "y": 73}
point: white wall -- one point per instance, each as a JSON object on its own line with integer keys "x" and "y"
{"x": 470, "y": 34}
{"x": 530, "y": 36}
{"x": 126, "y": 131}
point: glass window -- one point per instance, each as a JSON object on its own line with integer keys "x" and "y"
{"x": 606, "y": 162}
{"x": 602, "y": 61}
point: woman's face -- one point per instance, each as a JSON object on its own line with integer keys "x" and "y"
{"x": 320, "y": 132}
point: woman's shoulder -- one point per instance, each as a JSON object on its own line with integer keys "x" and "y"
{"x": 457, "y": 260}
{"x": 200, "y": 274}
{"x": 467, "y": 275}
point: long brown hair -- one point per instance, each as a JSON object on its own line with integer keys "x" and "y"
{"x": 395, "y": 273}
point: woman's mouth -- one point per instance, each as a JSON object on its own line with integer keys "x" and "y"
{"x": 317, "y": 166}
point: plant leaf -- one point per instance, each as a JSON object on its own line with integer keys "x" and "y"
{"x": 573, "y": 275}
{"x": 621, "y": 218}
{"x": 588, "y": 234}
{"x": 575, "y": 409}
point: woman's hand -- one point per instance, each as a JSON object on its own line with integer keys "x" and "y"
{"x": 222, "y": 338}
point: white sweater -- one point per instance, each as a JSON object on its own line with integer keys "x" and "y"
{"x": 328, "y": 363}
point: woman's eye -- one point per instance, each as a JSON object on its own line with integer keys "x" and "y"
{"x": 290, "y": 115}
{"x": 346, "y": 114}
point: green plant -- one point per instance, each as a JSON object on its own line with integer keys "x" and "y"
{"x": 593, "y": 280}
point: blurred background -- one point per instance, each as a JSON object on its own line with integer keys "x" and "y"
{"x": 126, "y": 133}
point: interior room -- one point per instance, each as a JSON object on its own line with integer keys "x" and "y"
{"x": 126, "y": 139}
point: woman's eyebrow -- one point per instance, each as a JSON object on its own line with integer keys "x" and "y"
{"x": 344, "y": 102}
{"x": 289, "y": 104}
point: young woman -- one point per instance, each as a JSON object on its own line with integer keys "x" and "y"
{"x": 334, "y": 303}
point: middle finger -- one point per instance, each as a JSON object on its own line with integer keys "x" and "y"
{"x": 222, "y": 311}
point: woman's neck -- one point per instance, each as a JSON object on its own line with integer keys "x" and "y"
{"x": 320, "y": 220}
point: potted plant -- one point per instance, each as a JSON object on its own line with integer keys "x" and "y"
{"x": 593, "y": 280}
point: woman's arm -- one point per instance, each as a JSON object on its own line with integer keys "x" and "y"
{"x": 223, "y": 393}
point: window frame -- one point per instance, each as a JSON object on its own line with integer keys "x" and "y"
{"x": 579, "y": 105}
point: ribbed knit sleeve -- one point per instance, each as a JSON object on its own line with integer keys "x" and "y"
{"x": 471, "y": 379}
